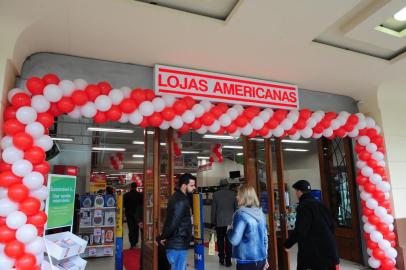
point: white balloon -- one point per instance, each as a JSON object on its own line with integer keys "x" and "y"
{"x": 12, "y": 92}
{"x": 318, "y": 115}
{"x": 361, "y": 164}
{"x": 188, "y": 116}
{"x": 67, "y": 87}
{"x": 391, "y": 252}
{"x": 286, "y": 124}
{"x": 369, "y": 228}
{"x": 21, "y": 167}
{"x": 169, "y": 100}
{"x": 376, "y": 236}
{"x": 6, "y": 142}
{"x": 16, "y": 219}
{"x": 371, "y": 148}
{"x": 103, "y": 103}
{"x": 306, "y": 132}
{"x": 378, "y": 156}
{"x": 384, "y": 244}
{"x": 371, "y": 203}
{"x": 236, "y": 134}
{"x": 278, "y": 131}
{"x": 364, "y": 140}
{"x": 135, "y": 117}
{"x": 293, "y": 115}
{"x": 367, "y": 171}
{"x": 361, "y": 124}
{"x": 375, "y": 178}
{"x": 233, "y": 113}
{"x": 295, "y": 136}
{"x": 36, "y": 246}
{"x": 365, "y": 195}
{"x": 88, "y": 110}
{"x": 12, "y": 154}
{"x": 364, "y": 219}
{"x": 265, "y": 115}
{"x": 257, "y": 123}
{"x": 3, "y": 192}
{"x": 269, "y": 135}
{"x": 214, "y": 127}
{"x": 311, "y": 122}
{"x": 40, "y": 103}
{"x": 80, "y": 84}
{"x": 238, "y": 108}
{"x": 328, "y": 132}
{"x": 116, "y": 96}
{"x": 225, "y": 120}
{"x": 202, "y": 130}
{"x": 206, "y": 105}
{"x": 383, "y": 186}
{"x": 381, "y": 163}
{"x": 176, "y": 122}
{"x": 41, "y": 193}
{"x": 388, "y": 219}
{"x": 76, "y": 113}
{"x": 391, "y": 227}
{"x": 7, "y": 207}
{"x": 35, "y": 129}
{"x": 370, "y": 122}
{"x": 335, "y": 124}
{"x": 53, "y": 93}
{"x": 247, "y": 130}
{"x": 369, "y": 252}
{"x": 45, "y": 142}
{"x": 354, "y": 133}
{"x": 380, "y": 211}
{"x": 33, "y": 180}
{"x": 342, "y": 120}
{"x": 126, "y": 91}
{"x": 124, "y": 118}
{"x": 159, "y": 104}
{"x": 26, "y": 115}
{"x": 164, "y": 125}
{"x": 26, "y": 233}
{"x": 374, "y": 263}
{"x": 198, "y": 110}
{"x": 6, "y": 262}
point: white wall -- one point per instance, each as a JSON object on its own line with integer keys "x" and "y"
{"x": 219, "y": 170}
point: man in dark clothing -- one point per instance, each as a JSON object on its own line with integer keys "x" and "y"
{"x": 133, "y": 201}
{"x": 223, "y": 206}
{"x": 314, "y": 232}
{"x": 177, "y": 230}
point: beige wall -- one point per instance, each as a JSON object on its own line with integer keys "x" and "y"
{"x": 219, "y": 170}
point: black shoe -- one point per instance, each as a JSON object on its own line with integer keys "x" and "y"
{"x": 221, "y": 261}
{"x": 228, "y": 263}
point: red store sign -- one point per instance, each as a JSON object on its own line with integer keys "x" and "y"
{"x": 217, "y": 87}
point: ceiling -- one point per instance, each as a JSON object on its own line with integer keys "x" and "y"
{"x": 267, "y": 39}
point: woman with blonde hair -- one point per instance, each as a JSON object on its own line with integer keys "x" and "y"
{"x": 248, "y": 233}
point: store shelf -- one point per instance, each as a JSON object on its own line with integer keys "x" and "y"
{"x": 98, "y": 208}
{"x": 98, "y": 226}
{"x": 96, "y": 246}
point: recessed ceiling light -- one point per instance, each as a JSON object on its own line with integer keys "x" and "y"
{"x": 240, "y": 154}
{"x": 295, "y": 150}
{"x": 108, "y": 149}
{"x": 400, "y": 15}
{"x": 117, "y": 130}
{"x": 232, "y": 146}
{"x": 295, "y": 141}
{"x": 138, "y": 156}
{"x": 220, "y": 137}
{"x": 62, "y": 139}
{"x": 190, "y": 152}
{"x": 203, "y": 157}
{"x": 138, "y": 142}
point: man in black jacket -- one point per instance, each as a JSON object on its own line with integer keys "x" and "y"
{"x": 177, "y": 230}
{"x": 133, "y": 204}
{"x": 314, "y": 232}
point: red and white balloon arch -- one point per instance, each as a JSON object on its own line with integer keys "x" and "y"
{"x": 31, "y": 112}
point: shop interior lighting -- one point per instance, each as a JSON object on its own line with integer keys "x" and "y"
{"x": 163, "y": 144}
{"x": 295, "y": 150}
{"x": 117, "y": 130}
{"x": 257, "y": 139}
{"x": 150, "y": 132}
{"x": 295, "y": 141}
{"x": 400, "y": 15}
{"x": 219, "y": 137}
{"x": 198, "y": 157}
{"x": 62, "y": 139}
{"x": 138, "y": 142}
{"x": 138, "y": 156}
{"x": 240, "y": 154}
{"x": 190, "y": 152}
{"x": 108, "y": 149}
{"x": 232, "y": 146}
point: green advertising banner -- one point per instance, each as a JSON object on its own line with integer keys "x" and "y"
{"x": 61, "y": 200}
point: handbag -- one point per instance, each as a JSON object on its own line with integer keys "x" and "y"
{"x": 212, "y": 244}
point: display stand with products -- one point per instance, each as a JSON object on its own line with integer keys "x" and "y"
{"x": 97, "y": 224}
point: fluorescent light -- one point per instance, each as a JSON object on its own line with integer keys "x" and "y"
{"x": 108, "y": 149}
{"x": 62, "y": 139}
{"x": 138, "y": 142}
{"x": 138, "y": 156}
{"x": 150, "y": 132}
{"x": 117, "y": 130}
{"x": 295, "y": 141}
{"x": 162, "y": 143}
{"x": 203, "y": 157}
{"x": 221, "y": 137}
{"x": 400, "y": 15}
{"x": 240, "y": 154}
{"x": 190, "y": 152}
{"x": 118, "y": 174}
{"x": 232, "y": 146}
{"x": 257, "y": 139}
{"x": 295, "y": 150}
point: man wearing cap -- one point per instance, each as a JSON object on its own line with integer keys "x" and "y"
{"x": 314, "y": 232}
{"x": 223, "y": 207}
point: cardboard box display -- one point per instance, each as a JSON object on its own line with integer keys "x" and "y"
{"x": 64, "y": 245}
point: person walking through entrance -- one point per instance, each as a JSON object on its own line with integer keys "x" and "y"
{"x": 177, "y": 230}
{"x": 223, "y": 207}
{"x": 314, "y": 232}
{"x": 248, "y": 232}
{"x": 133, "y": 203}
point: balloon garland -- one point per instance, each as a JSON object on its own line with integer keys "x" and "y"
{"x": 116, "y": 161}
{"x": 31, "y": 113}
{"x": 216, "y": 154}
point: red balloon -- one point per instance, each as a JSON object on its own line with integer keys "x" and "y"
{"x": 273, "y": 123}
{"x": 54, "y": 110}
{"x": 128, "y": 105}
{"x": 361, "y": 180}
{"x": 100, "y": 117}
{"x": 38, "y": 219}
{"x": 367, "y": 212}
{"x": 79, "y": 97}
{"x": 196, "y": 124}
{"x": 231, "y": 128}
{"x": 216, "y": 111}
{"x": 13, "y": 126}
{"x": 249, "y": 113}
{"x": 6, "y": 234}
{"x": 20, "y": 100}
{"x": 50, "y": 79}
{"x": 144, "y": 122}
{"x": 378, "y": 253}
{"x": 372, "y": 163}
{"x": 104, "y": 87}
{"x": 35, "y": 155}
{"x": 253, "y": 134}
{"x": 379, "y": 170}
{"x": 22, "y": 140}
{"x": 2, "y": 220}
{"x": 14, "y": 249}
{"x": 305, "y": 114}
{"x": 149, "y": 94}
{"x": 264, "y": 131}
{"x": 379, "y": 195}
{"x": 349, "y": 127}
{"x": 372, "y": 245}
{"x": 363, "y": 132}
{"x": 43, "y": 168}
{"x": 138, "y": 95}
{"x": 300, "y": 124}
{"x": 35, "y": 85}
{"x": 326, "y": 123}
{"x": 208, "y": 118}
{"x": 25, "y": 262}
{"x": 93, "y": 91}
{"x": 353, "y": 119}
{"x": 386, "y": 204}
{"x": 114, "y": 114}
{"x": 241, "y": 121}
{"x": 4, "y": 166}
{"x": 9, "y": 113}
{"x": 293, "y": 131}
{"x": 190, "y": 102}
{"x": 18, "y": 192}
{"x": 8, "y": 178}
{"x": 381, "y": 149}
{"x": 330, "y": 115}
{"x": 369, "y": 187}
{"x": 391, "y": 236}
{"x": 65, "y": 105}
{"x": 340, "y": 132}
{"x": 387, "y": 263}
{"x": 372, "y": 133}
{"x": 46, "y": 119}
{"x": 378, "y": 140}
{"x": 155, "y": 119}
{"x": 393, "y": 243}
{"x": 30, "y": 206}
{"x": 168, "y": 114}
{"x": 359, "y": 148}
{"x": 383, "y": 228}
{"x": 374, "y": 220}
{"x": 318, "y": 129}
{"x": 364, "y": 155}
{"x": 280, "y": 115}
{"x": 221, "y": 130}
{"x": 180, "y": 106}
{"x": 185, "y": 128}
